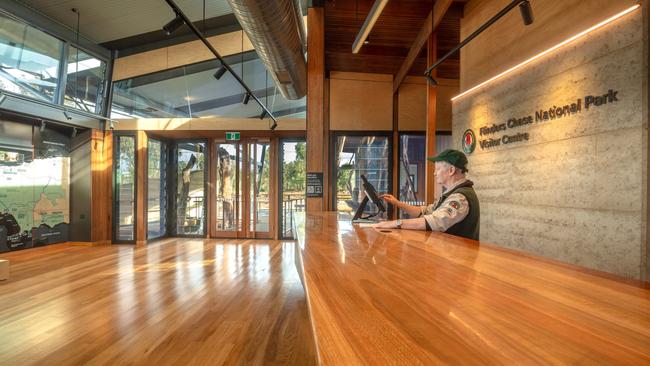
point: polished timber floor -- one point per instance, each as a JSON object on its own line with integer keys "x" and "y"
{"x": 176, "y": 301}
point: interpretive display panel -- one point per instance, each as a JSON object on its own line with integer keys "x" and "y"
{"x": 34, "y": 192}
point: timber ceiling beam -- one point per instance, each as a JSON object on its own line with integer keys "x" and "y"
{"x": 430, "y": 25}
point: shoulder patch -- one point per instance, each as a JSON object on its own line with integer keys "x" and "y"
{"x": 454, "y": 204}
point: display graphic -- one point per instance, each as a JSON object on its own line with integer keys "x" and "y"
{"x": 34, "y": 200}
{"x": 469, "y": 142}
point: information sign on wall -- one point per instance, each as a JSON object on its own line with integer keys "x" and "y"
{"x": 314, "y": 184}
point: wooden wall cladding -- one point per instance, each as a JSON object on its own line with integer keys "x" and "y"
{"x": 102, "y": 186}
{"x": 315, "y": 99}
{"x": 360, "y": 101}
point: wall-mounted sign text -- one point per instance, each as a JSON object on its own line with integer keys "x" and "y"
{"x": 540, "y": 116}
{"x": 314, "y": 184}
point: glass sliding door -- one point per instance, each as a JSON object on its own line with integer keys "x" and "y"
{"x": 259, "y": 188}
{"x": 156, "y": 189}
{"x": 369, "y": 155}
{"x": 243, "y": 198}
{"x": 228, "y": 183}
{"x": 292, "y": 184}
{"x": 190, "y": 162}
{"x": 124, "y": 188}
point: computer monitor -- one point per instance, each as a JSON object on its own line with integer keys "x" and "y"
{"x": 372, "y": 194}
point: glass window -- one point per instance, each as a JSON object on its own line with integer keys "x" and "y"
{"x": 156, "y": 189}
{"x": 260, "y": 172}
{"x": 192, "y": 92}
{"x": 412, "y": 164}
{"x": 443, "y": 141}
{"x": 292, "y": 197}
{"x": 29, "y": 60}
{"x": 124, "y": 226}
{"x": 357, "y": 155}
{"x": 228, "y": 186}
{"x": 190, "y": 194}
{"x": 84, "y": 81}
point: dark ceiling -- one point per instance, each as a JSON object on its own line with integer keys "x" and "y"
{"x": 390, "y": 38}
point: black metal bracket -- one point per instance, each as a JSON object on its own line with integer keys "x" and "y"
{"x": 480, "y": 30}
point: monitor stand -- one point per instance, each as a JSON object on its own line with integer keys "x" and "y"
{"x": 358, "y": 216}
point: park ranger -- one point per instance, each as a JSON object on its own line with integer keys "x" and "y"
{"x": 456, "y": 212}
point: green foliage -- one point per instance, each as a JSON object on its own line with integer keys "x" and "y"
{"x": 154, "y": 159}
{"x": 343, "y": 178}
{"x": 293, "y": 177}
{"x": 126, "y": 173}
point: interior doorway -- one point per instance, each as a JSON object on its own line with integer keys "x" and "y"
{"x": 190, "y": 157}
{"x": 243, "y": 199}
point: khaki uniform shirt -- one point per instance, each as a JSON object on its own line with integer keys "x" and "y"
{"x": 452, "y": 211}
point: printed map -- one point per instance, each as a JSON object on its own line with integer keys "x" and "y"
{"x": 36, "y": 192}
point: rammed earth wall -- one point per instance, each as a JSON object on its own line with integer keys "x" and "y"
{"x": 560, "y": 162}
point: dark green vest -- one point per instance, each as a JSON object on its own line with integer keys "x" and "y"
{"x": 471, "y": 224}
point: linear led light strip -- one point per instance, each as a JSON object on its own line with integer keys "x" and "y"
{"x": 544, "y": 53}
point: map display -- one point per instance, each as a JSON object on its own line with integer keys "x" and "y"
{"x": 34, "y": 200}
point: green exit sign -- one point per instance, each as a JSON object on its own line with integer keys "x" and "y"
{"x": 232, "y": 136}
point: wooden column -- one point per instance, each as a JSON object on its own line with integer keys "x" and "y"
{"x": 315, "y": 99}
{"x": 431, "y": 121}
{"x": 141, "y": 189}
{"x": 327, "y": 187}
{"x": 396, "y": 152}
{"x": 101, "y": 206}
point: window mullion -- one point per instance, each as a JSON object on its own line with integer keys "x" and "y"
{"x": 63, "y": 72}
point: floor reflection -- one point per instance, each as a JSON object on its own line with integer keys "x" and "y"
{"x": 174, "y": 301}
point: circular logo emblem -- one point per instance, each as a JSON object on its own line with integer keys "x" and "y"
{"x": 469, "y": 142}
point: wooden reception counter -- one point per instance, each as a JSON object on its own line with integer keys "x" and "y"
{"x": 418, "y": 298}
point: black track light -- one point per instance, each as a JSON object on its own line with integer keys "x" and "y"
{"x": 173, "y": 25}
{"x": 67, "y": 115}
{"x": 247, "y": 97}
{"x": 526, "y": 12}
{"x": 263, "y": 114}
{"x": 219, "y": 73}
{"x": 275, "y": 124}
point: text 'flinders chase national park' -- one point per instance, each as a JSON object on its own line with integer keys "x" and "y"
{"x": 540, "y": 116}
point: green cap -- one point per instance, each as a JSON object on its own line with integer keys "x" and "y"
{"x": 453, "y": 157}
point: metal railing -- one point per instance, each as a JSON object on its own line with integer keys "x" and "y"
{"x": 193, "y": 217}
{"x": 289, "y": 206}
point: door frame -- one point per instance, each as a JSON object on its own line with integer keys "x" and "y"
{"x": 167, "y": 145}
{"x": 174, "y": 168}
{"x": 245, "y": 175}
{"x": 115, "y": 209}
